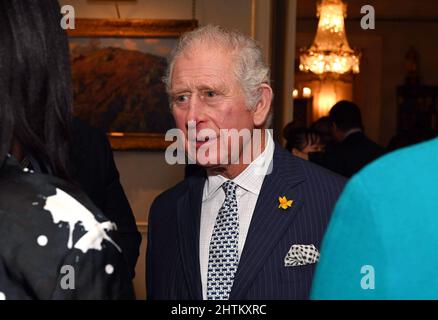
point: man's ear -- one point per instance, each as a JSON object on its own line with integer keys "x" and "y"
{"x": 262, "y": 108}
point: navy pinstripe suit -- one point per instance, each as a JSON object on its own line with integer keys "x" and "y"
{"x": 173, "y": 270}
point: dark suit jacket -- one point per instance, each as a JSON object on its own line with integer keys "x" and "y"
{"x": 173, "y": 269}
{"x": 96, "y": 173}
{"x": 349, "y": 156}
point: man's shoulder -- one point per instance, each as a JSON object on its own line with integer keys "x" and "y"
{"x": 169, "y": 197}
{"x": 89, "y": 140}
{"x": 164, "y": 207}
{"x": 311, "y": 172}
{"x": 358, "y": 141}
{"x": 86, "y": 134}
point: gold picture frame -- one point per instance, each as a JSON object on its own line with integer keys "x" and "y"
{"x": 130, "y": 29}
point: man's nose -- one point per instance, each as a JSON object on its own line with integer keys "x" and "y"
{"x": 196, "y": 110}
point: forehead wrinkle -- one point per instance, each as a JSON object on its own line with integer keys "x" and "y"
{"x": 202, "y": 67}
{"x": 204, "y": 81}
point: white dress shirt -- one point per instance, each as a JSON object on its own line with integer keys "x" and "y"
{"x": 249, "y": 182}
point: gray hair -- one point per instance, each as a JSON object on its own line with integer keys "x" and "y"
{"x": 250, "y": 69}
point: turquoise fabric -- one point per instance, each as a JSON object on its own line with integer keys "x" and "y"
{"x": 386, "y": 222}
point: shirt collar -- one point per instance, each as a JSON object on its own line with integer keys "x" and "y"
{"x": 351, "y": 131}
{"x": 250, "y": 179}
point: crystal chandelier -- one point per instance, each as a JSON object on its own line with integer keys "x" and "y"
{"x": 330, "y": 51}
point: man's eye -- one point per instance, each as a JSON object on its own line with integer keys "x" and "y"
{"x": 181, "y": 98}
{"x": 210, "y": 94}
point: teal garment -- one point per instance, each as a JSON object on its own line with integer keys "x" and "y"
{"x": 386, "y": 223}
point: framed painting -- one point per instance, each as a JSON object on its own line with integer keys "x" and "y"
{"x": 117, "y": 67}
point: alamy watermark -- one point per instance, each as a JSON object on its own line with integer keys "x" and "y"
{"x": 208, "y": 147}
{"x": 68, "y": 279}
{"x": 69, "y": 16}
{"x": 368, "y": 21}
{"x": 368, "y": 281}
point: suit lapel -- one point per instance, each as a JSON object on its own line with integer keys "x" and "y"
{"x": 269, "y": 222}
{"x": 189, "y": 215}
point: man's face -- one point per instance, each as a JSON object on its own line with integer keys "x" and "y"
{"x": 336, "y": 133}
{"x": 205, "y": 91}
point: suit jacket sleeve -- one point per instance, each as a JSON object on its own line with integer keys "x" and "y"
{"x": 331, "y": 159}
{"x": 96, "y": 173}
{"x": 117, "y": 208}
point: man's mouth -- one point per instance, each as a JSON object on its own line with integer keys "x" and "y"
{"x": 202, "y": 140}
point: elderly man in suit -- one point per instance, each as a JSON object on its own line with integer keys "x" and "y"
{"x": 239, "y": 229}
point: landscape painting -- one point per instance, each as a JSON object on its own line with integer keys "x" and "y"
{"x": 117, "y": 85}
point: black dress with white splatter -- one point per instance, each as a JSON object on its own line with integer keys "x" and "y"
{"x": 54, "y": 243}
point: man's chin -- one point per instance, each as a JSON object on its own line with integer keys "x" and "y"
{"x": 207, "y": 161}
{"x": 210, "y": 165}
{"x": 214, "y": 168}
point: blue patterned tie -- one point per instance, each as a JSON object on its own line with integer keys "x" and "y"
{"x": 223, "y": 255}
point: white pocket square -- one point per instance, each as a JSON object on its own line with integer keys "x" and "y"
{"x": 300, "y": 255}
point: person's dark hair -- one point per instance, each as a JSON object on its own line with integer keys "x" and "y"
{"x": 323, "y": 126}
{"x": 299, "y": 138}
{"x": 35, "y": 82}
{"x": 346, "y": 115}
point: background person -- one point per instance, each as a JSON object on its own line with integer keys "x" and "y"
{"x": 382, "y": 237}
{"x": 353, "y": 149}
{"x": 46, "y": 223}
{"x": 302, "y": 141}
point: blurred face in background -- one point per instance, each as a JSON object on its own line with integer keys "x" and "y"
{"x": 337, "y": 133}
{"x": 311, "y": 143}
{"x": 315, "y": 147}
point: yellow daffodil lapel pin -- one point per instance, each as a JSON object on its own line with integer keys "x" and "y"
{"x": 284, "y": 203}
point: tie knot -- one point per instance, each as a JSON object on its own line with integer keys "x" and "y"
{"x": 229, "y": 188}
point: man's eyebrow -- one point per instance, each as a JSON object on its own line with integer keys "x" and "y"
{"x": 216, "y": 86}
{"x": 219, "y": 86}
{"x": 178, "y": 90}
{"x": 206, "y": 87}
